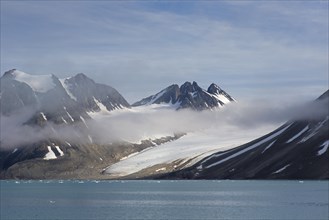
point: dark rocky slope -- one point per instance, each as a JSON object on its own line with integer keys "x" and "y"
{"x": 297, "y": 150}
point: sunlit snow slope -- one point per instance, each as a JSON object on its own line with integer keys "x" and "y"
{"x": 186, "y": 150}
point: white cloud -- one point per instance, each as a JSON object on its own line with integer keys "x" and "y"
{"x": 143, "y": 123}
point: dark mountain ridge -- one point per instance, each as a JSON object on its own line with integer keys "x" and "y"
{"x": 189, "y": 95}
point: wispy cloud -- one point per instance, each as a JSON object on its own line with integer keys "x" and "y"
{"x": 139, "y": 48}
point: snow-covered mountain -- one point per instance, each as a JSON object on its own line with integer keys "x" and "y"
{"x": 189, "y": 95}
{"x": 297, "y": 150}
{"x": 45, "y": 127}
{"x": 58, "y": 100}
{"x": 49, "y": 117}
{"x": 62, "y": 128}
{"x": 93, "y": 96}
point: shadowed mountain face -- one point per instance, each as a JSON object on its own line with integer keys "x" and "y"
{"x": 297, "y": 150}
{"x": 189, "y": 95}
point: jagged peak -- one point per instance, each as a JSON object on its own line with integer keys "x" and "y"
{"x": 325, "y": 95}
{"x": 189, "y": 87}
{"x": 196, "y": 87}
{"x": 213, "y": 85}
{"x": 214, "y": 89}
{"x": 80, "y": 77}
{"x": 9, "y": 73}
{"x": 173, "y": 86}
{"x": 187, "y": 83}
{"x": 186, "y": 87}
{"x": 195, "y": 83}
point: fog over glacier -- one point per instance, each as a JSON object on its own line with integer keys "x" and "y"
{"x": 136, "y": 124}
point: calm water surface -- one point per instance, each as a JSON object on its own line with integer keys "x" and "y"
{"x": 292, "y": 200}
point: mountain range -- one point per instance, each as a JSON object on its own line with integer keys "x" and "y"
{"x": 59, "y": 100}
{"x": 60, "y": 113}
{"x": 189, "y": 95}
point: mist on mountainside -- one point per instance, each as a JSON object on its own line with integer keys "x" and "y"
{"x": 142, "y": 123}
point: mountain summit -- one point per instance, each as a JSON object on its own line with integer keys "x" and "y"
{"x": 59, "y": 100}
{"x": 189, "y": 95}
{"x": 93, "y": 96}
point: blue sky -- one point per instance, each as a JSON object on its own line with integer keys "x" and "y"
{"x": 252, "y": 49}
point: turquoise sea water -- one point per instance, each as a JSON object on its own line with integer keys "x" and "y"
{"x": 293, "y": 200}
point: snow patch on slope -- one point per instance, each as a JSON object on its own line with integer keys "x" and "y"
{"x": 324, "y": 148}
{"x": 50, "y": 155}
{"x": 67, "y": 89}
{"x": 297, "y": 135}
{"x": 282, "y": 169}
{"x": 100, "y": 105}
{"x": 270, "y": 145}
{"x": 43, "y": 116}
{"x": 68, "y": 114}
{"x": 84, "y": 121}
{"x": 314, "y": 130}
{"x": 222, "y": 98}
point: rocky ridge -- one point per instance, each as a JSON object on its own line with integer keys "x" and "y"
{"x": 189, "y": 95}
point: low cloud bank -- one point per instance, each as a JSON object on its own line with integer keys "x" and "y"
{"x": 137, "y": 124}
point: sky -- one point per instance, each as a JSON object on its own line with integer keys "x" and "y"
{"x": 275, "y": 50}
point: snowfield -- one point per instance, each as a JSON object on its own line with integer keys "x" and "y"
{"x": 207, "y": 132}
{"x": 50, "y": 155}
{"x": 39, "y": 83}
{"x": 193, "y": 146}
